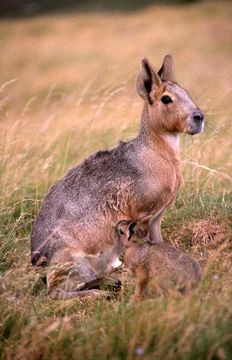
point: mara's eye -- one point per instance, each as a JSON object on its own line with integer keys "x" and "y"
{"x": 166, "y": 99}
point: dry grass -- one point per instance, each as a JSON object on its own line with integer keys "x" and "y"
{"x": 67, "y": 88}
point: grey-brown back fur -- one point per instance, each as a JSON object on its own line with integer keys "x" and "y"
{"x": 91, "y": 196}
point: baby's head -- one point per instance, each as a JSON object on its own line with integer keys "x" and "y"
{"x": 129, "y": 232}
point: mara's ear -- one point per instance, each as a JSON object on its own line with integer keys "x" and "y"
{"x": 147, "y": 80}
{"x": 166, "y": 70}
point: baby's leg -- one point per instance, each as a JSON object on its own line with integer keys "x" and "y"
{"x": 141, "y": 283}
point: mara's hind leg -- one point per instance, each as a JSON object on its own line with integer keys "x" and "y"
{"x": 77, "y": 278}
{"x": 103, "y": 282}
{"x": 61, "y": 294}
{"x": 62, "y": 286}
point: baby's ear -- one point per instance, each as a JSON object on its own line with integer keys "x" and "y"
{"x": 142, "y": 229}
{"x": 132, "y": 229}
{"x": 122, "y": 229}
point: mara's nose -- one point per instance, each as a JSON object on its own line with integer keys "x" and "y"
{"x": 198, "y": 116}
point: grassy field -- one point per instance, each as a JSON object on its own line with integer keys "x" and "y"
{"x": 67, "y": 89}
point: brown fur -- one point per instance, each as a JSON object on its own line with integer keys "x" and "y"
{"x": 136, "y": 179}
{"x": 158, "y": 267}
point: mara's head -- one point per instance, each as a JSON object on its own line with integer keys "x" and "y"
{"x": 170, "y": 108}
{"x": 129, "y": 232}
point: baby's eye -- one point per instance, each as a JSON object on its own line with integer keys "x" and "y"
{"x": 166, "y": 99}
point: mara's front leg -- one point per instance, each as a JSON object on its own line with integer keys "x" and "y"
{"x": 155, "y": 228}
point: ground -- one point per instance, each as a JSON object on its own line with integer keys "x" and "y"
{"x": 67, "y": 89}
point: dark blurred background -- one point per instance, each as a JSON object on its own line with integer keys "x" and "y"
{"x": 30, "y": 8}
